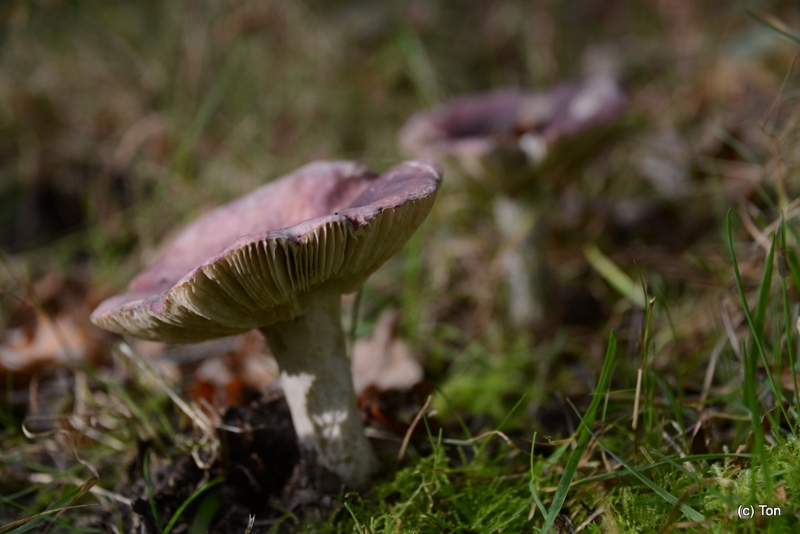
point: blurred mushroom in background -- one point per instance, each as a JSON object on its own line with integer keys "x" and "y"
{"x": 278, "y": 260}
{"x": 516, "y": 146}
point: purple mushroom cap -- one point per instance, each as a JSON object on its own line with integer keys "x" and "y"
{"x": 278, "y": 260}
{"x": 246, "y": 264}
{"x": 505, "y": 137}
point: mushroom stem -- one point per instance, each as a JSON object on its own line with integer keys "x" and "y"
{"x": 522, "y": 230}
{"x": 316, "y": 380}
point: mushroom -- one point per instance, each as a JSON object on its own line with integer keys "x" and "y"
{"x": 278, "y": 260}
{"x": 512, "y": 143}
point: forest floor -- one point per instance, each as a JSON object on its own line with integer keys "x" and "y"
{"x": 660, "y": 392}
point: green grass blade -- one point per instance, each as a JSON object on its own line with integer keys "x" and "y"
{"x": 690, "y": 512}
{"x": 764, "y": 290}
{"x": 136, "y": 410}
{"x": 532, "y": 484}
{"x": 679, "y": 364}
{"x": 750, "y": 396}
{"x": 26, "y": 524}
{"x": 421, "y": 69}
{"x": 206, "y": 510}
{"x": 701, "y": 483}
{"x": 760, "y": 318}
{"x": 788, "y": 323}
{"x": 356, "y": 520}
{"x": 785, "y": 32}
{"x": 612, "y": 274}
{"x": 207, "y": 109}
{"x": 648, "y": 389}
{"x": 443, "y": 524}
{"x": 588, "y": 420}
{"x": 199, "y": 491}
{"x": 148, "y": 483}
{"x": 791, "y": 255}
{"x": 751, "y": 370}
{"x": 508, "y": 416}
{"x": 689, "y": 458}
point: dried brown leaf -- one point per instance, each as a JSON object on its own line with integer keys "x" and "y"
{"x": 383, "y": 360}
{"x": 60, "y": 339}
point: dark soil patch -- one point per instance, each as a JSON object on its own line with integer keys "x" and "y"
{"x": 264, "y": 474}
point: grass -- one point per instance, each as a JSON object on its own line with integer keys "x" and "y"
{"x": 665, "y": 396}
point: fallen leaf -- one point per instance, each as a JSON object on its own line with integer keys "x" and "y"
{"x": 383, "y": 360}
{"x": 58, "y": 340}
{"x": 788, "y": 379}
{"x": 225, "y": 379}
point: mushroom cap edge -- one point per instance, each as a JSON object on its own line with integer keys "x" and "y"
{"x": 264, "y": 277}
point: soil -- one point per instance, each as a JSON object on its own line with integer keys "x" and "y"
{"x": 265, "y": 475}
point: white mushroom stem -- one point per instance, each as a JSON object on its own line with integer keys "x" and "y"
{"x": 522, "y": 231}
{"x": 315, "y": 376}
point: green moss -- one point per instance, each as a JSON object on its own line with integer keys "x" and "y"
{"x": 433, "y": 495}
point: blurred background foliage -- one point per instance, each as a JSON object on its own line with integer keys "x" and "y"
{"x": 120, "y": 121}
{"x": 112, "y": 112}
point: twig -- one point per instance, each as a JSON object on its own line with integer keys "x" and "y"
{"x": 413, "y": 425}
{"x": 591, "y": 518}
